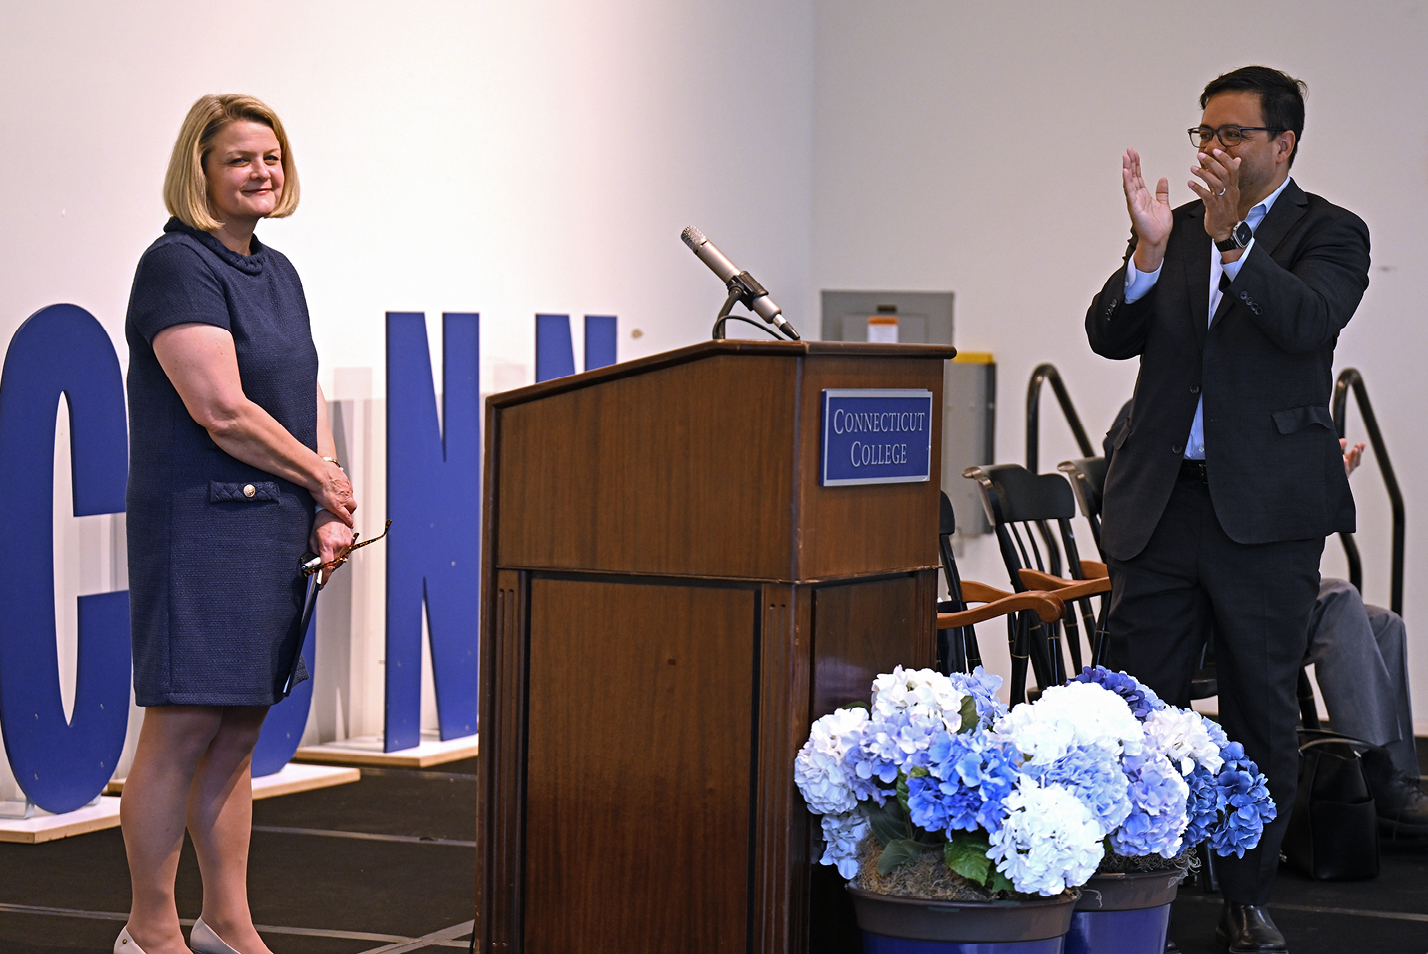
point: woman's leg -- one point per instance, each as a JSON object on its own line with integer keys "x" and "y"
{"x": 172, "y": 743}
{"x": 220, "y": 821}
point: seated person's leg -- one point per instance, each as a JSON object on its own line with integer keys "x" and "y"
{"x": 1360, "y": 663}
{"x": 1359, "y": 690}
{"x": 1391, "y": 637}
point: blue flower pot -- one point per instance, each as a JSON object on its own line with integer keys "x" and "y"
{"x": 1123, "y": 913}
{"x": 917, "y": 926}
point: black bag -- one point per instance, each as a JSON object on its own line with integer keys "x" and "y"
{"x": 1333, "y": 828}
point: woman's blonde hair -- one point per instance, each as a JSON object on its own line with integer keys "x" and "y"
{"x": 186, "y": 185}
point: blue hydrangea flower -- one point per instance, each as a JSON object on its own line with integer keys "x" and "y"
{"x": 996, "y": 778}
{"x": 982, "y": 686}
{"x": 1243, "y": 803}
{"x": 1158, "y": 796}
{"x": 937, "y": 806}
{"x": 1200, "y": 806}
{"x": 841, "y": 836}
{"x": 892, "y": 742}
{"x": 970, "y": 776}
{"x": 872, "y": 768}
{"x": 1093, "y": 775}
{"x": 1141, "y": 698}
{"x": 1217, "y": 735}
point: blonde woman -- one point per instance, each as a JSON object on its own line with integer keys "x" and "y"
{"x": 230, "y": 457}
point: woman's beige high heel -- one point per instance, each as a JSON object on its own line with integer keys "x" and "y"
{"x": 124, "y": 944}
{"x": 204, "y": 940}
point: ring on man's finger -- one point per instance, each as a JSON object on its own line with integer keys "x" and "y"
{"x": 1220, "y": 193}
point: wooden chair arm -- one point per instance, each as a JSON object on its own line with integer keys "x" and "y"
{"x": 974, "y": 592}
{"x": 1063, "y": 588}
{"x": 1046, "y": 606}
{"x": 1094, "y": 570}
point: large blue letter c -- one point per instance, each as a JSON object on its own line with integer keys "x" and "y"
{"x": 61, "y": 764}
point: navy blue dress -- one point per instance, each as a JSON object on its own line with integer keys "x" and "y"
{"x": 214, "y": 544}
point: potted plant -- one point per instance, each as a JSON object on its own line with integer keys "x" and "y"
{"x": 959, "y": 822}
{"x": 1125, "y": 906}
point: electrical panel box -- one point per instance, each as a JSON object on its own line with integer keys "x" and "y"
{"x": 909, "y": 317}
{"x": 969, "y": 387}
{"x": 969, "y": 412}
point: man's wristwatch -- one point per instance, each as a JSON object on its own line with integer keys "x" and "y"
{"x": 1239, "y": 238}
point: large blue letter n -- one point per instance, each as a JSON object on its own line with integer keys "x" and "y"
{"x": 434, "y": 503}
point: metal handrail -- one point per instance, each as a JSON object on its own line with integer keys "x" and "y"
{"x": 1350, "y": 378}
{"x": 1048, "y": 372}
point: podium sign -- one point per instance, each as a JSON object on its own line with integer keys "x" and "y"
{"x": 876, "y": 436}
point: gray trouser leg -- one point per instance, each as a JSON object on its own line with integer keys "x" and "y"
{"x": 1360, "y": 662}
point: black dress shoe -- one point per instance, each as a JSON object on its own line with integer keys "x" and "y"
{"x": 1401, "y": 805}
{"x": 1248, "y": 929}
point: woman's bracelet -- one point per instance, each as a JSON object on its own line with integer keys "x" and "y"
{"x": 333, "y": 460}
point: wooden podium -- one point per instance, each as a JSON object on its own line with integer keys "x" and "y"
{"x": 669, "y": 599}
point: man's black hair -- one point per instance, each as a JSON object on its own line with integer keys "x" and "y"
{"x": 1281, "y": 97}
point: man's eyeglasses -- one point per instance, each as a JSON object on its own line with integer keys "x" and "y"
{"x": 1229, "y": 136}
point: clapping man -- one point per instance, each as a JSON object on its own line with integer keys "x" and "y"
{"x": 1227, "y": 475}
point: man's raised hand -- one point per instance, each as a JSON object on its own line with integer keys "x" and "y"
{"x": 1150, "y": 214}
{"x": 1219, "y": 190}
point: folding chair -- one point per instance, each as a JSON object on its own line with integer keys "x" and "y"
{"x": 1088, "y": 479}
{"x": 956, "y": 640}
{"x": 1016, "y": 501}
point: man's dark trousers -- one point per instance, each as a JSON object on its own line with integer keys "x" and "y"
{"x": 1263, "y": 597}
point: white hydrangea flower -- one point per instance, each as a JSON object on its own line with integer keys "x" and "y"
{"x": 921, "y": 693}
{"x": 841, "y": 836}
{"x": 819, "y": 770}
{"x": 1049, "y": 841}
{"x": 1076, "y": 714}
{"x": 1181, "y": 736}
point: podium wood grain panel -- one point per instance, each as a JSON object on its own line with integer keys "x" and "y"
{"x": 865, "y": 628}
{"x": 646, "y": 474}
{"x": 780, "y": 833}
{"x": 498, "y": 869}
{"x": 626, "y": 800}
{"x": 854, "y": 530}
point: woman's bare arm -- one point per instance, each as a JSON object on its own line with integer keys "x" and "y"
{"x": 199, "y": 360}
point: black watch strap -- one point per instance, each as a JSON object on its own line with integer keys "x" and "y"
{"x": 1239, "y": 237}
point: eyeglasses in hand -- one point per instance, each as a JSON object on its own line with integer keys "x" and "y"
{"x": 1230, "y": 135}
{"x": 312, "y": 563}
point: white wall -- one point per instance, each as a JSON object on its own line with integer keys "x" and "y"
{"x": 976, "y": 148}
{"x": 501, "y": 157}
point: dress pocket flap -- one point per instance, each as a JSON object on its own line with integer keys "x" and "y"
{"x": 1292, "y": 419}
{"x": 258, "y": 491}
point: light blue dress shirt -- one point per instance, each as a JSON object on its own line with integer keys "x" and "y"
{"x": 1139, "y": 283}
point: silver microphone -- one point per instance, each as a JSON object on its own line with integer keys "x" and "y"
{"x": 756, "y": 297}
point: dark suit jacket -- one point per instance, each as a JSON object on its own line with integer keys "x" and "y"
{"x": 1265, "y": 366}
